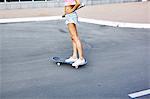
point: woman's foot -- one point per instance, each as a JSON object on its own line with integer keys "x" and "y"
{"x": 79, "y": 62}
{"x": 71, "y": 60}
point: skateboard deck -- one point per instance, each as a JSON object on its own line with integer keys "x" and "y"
{"x": 59, "y": 61}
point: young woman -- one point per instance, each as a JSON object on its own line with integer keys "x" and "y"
{"x": 72, "y": 21}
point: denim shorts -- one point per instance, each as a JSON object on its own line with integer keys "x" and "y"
{"x": 71, "y": 18}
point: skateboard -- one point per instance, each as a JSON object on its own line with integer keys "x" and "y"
{"x": 59, "y": 61}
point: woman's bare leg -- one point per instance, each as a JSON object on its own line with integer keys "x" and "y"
{"x": 77, "y": 46}
{"x": 74, "y": 54}
{"x": 74, "y": 47}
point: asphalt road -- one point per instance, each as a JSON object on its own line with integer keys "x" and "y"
{"x": 118, "y": 62}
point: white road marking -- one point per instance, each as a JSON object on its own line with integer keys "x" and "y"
{"x": 139, "y": 94}
{"x": 94, "y": 21}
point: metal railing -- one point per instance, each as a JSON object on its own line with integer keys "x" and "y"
{"x": 85, "y": 1}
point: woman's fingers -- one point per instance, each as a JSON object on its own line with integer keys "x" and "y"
{"x": 63, "y": 15}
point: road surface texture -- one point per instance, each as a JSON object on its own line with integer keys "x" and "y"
{"x": 118, "y": 61}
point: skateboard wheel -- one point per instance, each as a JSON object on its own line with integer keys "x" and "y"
{"x": 58, "y": 64}
{"x": 76, "y": 67}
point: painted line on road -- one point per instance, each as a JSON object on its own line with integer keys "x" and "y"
{"x": 139, "y": 94}
{"x": 86, "y": 20}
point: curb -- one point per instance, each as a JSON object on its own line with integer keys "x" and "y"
{"x": 86, "y": 20}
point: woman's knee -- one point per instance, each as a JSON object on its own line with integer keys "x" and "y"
{"x": 75, "y": 38}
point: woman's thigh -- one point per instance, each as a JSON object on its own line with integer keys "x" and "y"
{"x": 72, "y": 29}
